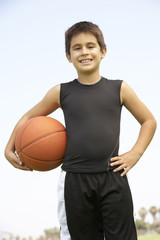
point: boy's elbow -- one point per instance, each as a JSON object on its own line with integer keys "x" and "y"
{"x": 150, "y": 124}
{"x": 153, "y": 123}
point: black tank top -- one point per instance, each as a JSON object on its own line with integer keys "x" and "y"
{"x": 92, "y": 117}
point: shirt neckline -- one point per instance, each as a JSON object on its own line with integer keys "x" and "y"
{"x": 88, "y": 85}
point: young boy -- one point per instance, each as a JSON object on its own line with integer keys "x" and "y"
{"x": 94, "y": 196}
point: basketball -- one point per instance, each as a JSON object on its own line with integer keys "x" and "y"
{"x": 41, "y": 143}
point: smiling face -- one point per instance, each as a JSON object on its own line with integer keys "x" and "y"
{"x": 85, "y": 53}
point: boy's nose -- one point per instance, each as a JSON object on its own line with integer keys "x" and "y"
{"x": 84, "y": 51}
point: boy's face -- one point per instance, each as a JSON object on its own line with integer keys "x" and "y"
{"x": 85, "y": 53}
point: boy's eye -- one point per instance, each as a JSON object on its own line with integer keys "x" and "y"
{"x": 90, "y": 46}
{"x": 77, "y": 48}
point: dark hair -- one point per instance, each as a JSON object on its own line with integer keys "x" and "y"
{"x": 80, "y": 27}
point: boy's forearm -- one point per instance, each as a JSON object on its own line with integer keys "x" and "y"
{"x": 127, "y": 160}
{"x": 9, "y": 151}
{"x": 11, "y": 143}
{"x": 145, "y": 136}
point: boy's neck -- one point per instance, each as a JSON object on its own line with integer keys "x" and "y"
{"x": 89, "y": 78}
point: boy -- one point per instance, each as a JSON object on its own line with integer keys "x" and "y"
{"x": 94, "y": 196}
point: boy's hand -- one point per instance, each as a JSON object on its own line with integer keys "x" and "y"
{"x": 15, "y": 161}
{"x": 125, "y": 161}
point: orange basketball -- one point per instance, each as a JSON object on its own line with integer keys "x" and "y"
{"x": 40, "y": 143}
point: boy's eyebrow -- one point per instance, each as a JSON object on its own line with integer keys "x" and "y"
{"x": 78, "y": 44}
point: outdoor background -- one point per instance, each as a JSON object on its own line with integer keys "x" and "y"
{"x": 32, "y": 60}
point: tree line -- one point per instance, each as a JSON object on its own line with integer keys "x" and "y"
{"x": 49, "y": 234}
{"x": 143, "y": 226}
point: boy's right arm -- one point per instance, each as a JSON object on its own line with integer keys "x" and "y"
{"x": 46, "y": 106}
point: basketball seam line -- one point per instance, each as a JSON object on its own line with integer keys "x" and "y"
{"x": 27, "y": 123}
{"x": 40, "y": 139}
{"x": 40, "y": 159}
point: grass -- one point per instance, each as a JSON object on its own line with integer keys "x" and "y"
{"x": 154, "y": 237}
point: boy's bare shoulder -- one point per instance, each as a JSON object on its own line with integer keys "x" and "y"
{"x": 56, "y": 88}
{"x": 52, "y": 98}
{"x": 54, "y": 91}
{"x": 127, "y": 93}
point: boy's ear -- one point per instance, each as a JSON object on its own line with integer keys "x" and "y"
{"x": 104, "y": 51}
{"x": 68, "y": 57}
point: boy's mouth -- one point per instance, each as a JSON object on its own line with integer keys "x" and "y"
{"x": 85, "y": 61}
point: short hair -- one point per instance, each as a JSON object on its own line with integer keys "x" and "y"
{"x": 84, "y": 27}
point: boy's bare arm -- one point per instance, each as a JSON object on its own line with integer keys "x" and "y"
{"x": 47, "y": 105}
{"x": 148, "y": 126}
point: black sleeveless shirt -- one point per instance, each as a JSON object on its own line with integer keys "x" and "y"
{"x": 92, "y": 117}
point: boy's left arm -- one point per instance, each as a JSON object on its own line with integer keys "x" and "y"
{"x": 148, "y": 126}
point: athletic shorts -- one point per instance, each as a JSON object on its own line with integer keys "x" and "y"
{"x": 95, "y": 207}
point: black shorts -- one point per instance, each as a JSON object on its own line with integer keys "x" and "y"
{"x": 95, "y": 207}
